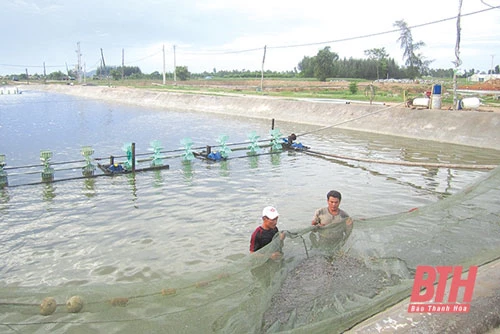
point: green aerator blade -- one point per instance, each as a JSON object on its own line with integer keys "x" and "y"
{"x": 188, "y": 152}
{"x": 156, "y": 148}
{"x": 89, "y": 168}
{"x": 276, "y": 140}
{"x": 47, "y": 171}
{"x": 127, "y": 147}
{"x": 254, "y": 145}
{"x": 224, "y": 150}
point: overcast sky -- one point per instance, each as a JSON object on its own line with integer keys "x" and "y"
{"x": 231, "y": 34}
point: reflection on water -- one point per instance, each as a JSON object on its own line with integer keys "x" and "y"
{"x": 197, "y": 215}
{"x": 133, "y": 186}
{"x": 275, "y": 159}
{"x": 89, "y": 187}
{"x": 4, "y": 196}
{"x": 187, "y": 170}
{"x": 170, "y": 247}
{"x": 48, "y": 192}
{"x": 253, "y": 161}
{"x": 224, "y": 168}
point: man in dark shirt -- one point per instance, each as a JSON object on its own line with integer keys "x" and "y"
{"x": 264, "y": 234}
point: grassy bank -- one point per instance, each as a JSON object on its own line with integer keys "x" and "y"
{"x": 349, "y": 89}
{"x": 346, "y": 89}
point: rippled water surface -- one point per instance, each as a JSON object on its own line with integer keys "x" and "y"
{"x": 191, "y": 217}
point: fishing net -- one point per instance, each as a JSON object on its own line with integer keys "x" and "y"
{"x": 327, "y": 280}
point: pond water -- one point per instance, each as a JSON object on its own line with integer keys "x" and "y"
{"x": 191, "y": 217}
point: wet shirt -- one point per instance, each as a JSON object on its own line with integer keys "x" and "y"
{"x": 323, "y": 216}
{"x": 261, "y": 237}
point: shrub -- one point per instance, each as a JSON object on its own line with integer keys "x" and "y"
{"x": 353, "y": 88}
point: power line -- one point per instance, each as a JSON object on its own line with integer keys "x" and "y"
{"x": 220, "y": 52}
{"x": 342, "y": 39}
{"x": 376, "y": 34}
{"x": 31, "y": 66}
{"x": 487, "y": 4}
{"x": 146, "y": 57}
{"x": 217, "y": 52}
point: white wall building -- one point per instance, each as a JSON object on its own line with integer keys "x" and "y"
{"x": 483, "y": 77}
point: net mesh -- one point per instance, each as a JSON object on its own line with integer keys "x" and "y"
{"x": 328, "y": 279}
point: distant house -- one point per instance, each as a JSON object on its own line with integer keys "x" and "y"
{"x": 483, "y": 77}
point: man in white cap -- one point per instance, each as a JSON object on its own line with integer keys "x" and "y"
{"x": 265, "y": 233}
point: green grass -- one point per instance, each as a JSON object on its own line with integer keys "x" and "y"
{"x": 395, "y": 93}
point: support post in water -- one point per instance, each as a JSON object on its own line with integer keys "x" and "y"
{"x": 133, "y": 157}
{"x": 3, "y": 174}
{"x": 129, "y": 148}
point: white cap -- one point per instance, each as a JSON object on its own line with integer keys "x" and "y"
{"x": 270, "y": 212}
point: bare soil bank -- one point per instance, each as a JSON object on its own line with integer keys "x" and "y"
{"x": 471, "y": 128}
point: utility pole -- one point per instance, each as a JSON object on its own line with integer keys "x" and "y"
{"x": 123, "y": 64}
{"x": 102, "y": 58}
{"x": 44, "y": 74}
{"x": 104, "y": 64}
{"x": 27, "y": 77}
{"x": 457, "y": 62}
{"x": 79, "y": 66}
{"x": 175, "y": 69}
{"x": 164, "y": 64}
{"x": 262, "y": 70}
{"x": 492, "y": 71}
{"x": 101, "y": 68}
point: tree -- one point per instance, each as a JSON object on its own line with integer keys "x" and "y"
{"x": 306, "y": 67}
{"x": 416, "y": 64}
{"x": 422, "y": 65}
{"x": 182, "y": 73}
{"x": 380, "y": 57}
{"x": 155, "y": 75}
{"x": 128, "y": 72}
{"x": 116, "y": 74}
{"x": 104, "y": 71}
{"x": 56, "y": 76}
{"x": 324, "y": 66}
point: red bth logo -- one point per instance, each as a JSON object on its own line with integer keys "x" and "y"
{"x": 431, "y": 300}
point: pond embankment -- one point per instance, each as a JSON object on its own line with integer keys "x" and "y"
{"x": 463, "y": 127}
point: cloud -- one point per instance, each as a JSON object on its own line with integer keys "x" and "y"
{"x": 208, "y": 32}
